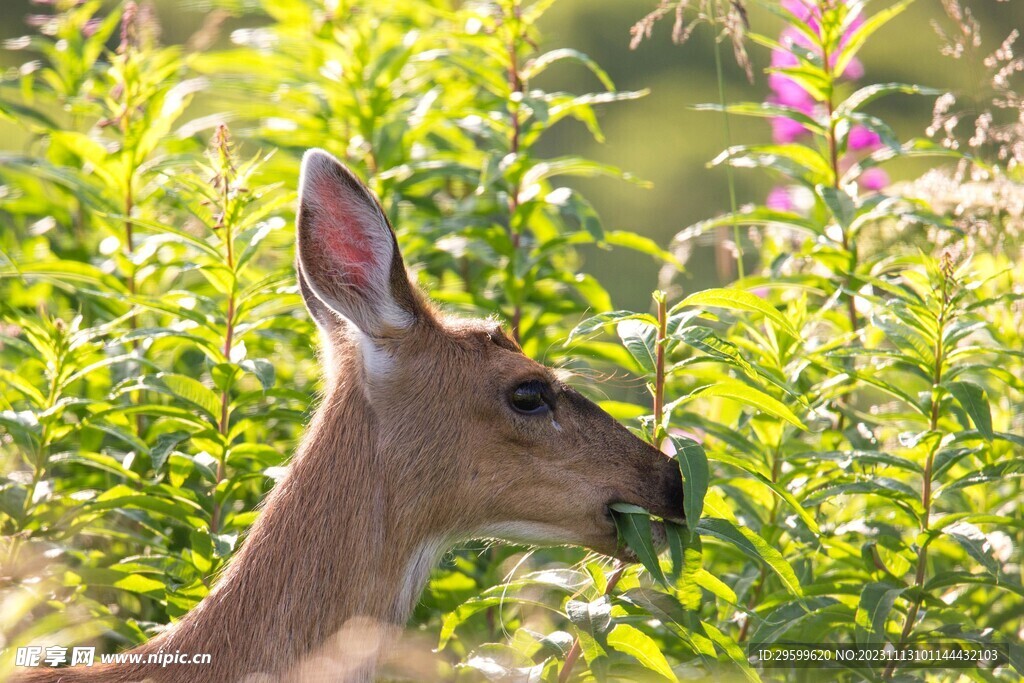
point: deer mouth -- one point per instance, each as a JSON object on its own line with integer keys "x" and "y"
{"x": 626, "y": 554}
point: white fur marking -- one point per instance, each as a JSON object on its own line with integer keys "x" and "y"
{"x": 416, "y": 573}
{"x": 429, "y": 552}
{"x": 376, "y": 361}
{"x": 528, "y": 533}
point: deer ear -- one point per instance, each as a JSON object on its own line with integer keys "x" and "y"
{"x": 324, "y": 316}
{"x": 348, "y": 256}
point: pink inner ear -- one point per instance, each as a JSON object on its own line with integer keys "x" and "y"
{"x": 347, "y": 238}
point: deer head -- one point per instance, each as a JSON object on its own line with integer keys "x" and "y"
{"x": 490, "y": 442}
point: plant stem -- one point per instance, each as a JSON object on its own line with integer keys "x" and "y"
{"x": 229, "y": 319}
{"x": 849, "y": 246}
{"x": 926, "y": 488}
{"x": 129, "y": 246}
{"x": 225, "y": 400}
{"x": 42, "y": 453}
{"x": 659, "y": 370}
{"x": 515, "y": 83}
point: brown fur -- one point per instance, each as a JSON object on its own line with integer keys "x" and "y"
{"x": 393, "y": 469}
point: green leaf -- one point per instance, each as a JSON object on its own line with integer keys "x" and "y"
{"x": 714, "y": 585}
{"x": 787, "y": 616}
{"x": 592, "y": 617}
{"x": 571, "y": 205}
{"x": 201, "y": 550}
{"x": 537, "y": 65}
{"x": 948, "y": 457}
{"x": 576, "y": 166}
{"x": 263, "y": 369}
{"x": 839, "y": 203}
{"x": 687, "y": 553}
{"x": 707, "y": 341}
{"x": 67, "y": 274}
{"x": 623, "y": 412}
{"x": 957, "y": 578}
{"x": 640, "y": 339}
{"x": 641, "y": 244}
{"x": 12, "y": 500}
{"x": 879, "y": 486}
{"x": 634, "y": 527}
{"x": 165, "y": 443}
{"x": 973, "y": 400}
{"x": 642, "y": 647}
{"x": 808, "y": 76}
{"x": 976, "y": 543}
{"x": 1000, "y": 471}
{"x": 755, "y": 470}
{"x": 132, "y": 583}
{"x": 20, "y": 385}
{"x": 801, "y": 163}
{"x": 693, "y": 464}
{"x": 859, "y": 36}
{"x": 499, "y": 662}
{"x": 765, "y": 110}
{"x": 744, "y": 394}
{"x": 872, "y": 92}
{"x": 684, "y": 623}
{"x": 597, "y": 322}
{"x": 97, "y": 461}
{"x": 473, "y": 606}
{"x": 846, "y": 459}
{"x": 876, "y": 602}
{"x": 121, "y": 497}
{"x": 187, "y": 389}
{"x": 740, "y": 300}
{"x": 736, "y": 654}
{"x": 753, "y": 217}
{"x": 754, "y": 547}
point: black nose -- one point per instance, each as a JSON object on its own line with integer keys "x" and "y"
{"x": 665, "y": 495}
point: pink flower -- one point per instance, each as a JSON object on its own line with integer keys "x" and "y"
{"x": 863, "y": 138}
{"x": 854, "y": 70}
{"x": 873, "y": 179}
{"x": 786, "y": 130}
{"x": 789, "y": 93}
{"x": 779, "y": 199}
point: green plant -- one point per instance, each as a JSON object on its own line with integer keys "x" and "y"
{"x": 846, "y": 415}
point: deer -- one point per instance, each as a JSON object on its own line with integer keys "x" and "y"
{"x": 432, "y": 429}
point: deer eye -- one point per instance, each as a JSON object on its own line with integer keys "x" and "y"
{"x": 529, "y": 398}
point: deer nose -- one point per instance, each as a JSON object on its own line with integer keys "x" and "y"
{"x": 672, "y": 493}
{"x": 667, "y": 495}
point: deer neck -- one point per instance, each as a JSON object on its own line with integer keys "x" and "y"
{"x": 333, "y": 564}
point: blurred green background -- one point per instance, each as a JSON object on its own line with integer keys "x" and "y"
{"x": 659, "y": 137}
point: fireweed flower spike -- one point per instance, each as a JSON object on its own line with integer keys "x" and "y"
{"x": 787, "y": 92}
